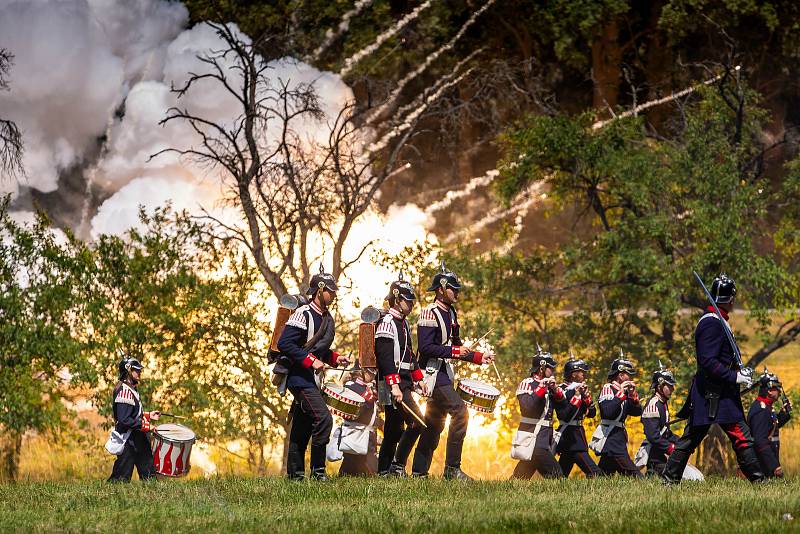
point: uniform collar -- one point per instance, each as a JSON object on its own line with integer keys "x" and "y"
{"x": 660, "y": 398}
{"x": 765, "y": 400}
{"x": 442, "y": 305}
{"x": 314, "y": 307}
{"x": 723, "y": 312}
{"x": 396, "y": 314}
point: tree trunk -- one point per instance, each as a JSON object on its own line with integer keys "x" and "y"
{"x": 606, "y": 66}
{"x": 10, "y": 455}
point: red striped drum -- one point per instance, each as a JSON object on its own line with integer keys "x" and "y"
{"x": 341, "y": 401}
{"x": 172, "y": 449}
{"x": 478, "y": 395}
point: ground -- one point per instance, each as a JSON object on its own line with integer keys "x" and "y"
{"x": 376, "y": 505}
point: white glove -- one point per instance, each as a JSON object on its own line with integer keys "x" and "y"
{"x": 744, "y": 379}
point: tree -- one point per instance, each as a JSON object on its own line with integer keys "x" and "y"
{"x": 43, "y": 280}
{"x": 11, "y": 145}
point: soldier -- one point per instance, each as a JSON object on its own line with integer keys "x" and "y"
{"x": 398, "y": 375}
{"x": 714, "y": 395}
{"x": 362, "y": 382}
{"x": 764, "y": 423}
{"x": 131, "y": 425}
{"x": 618, "y": 400}
{"x": 659, "y": 440}
{"x": 571, "y": 436}
{"x": 538, "y": 395}
{"x": 306, "y": 341}
{"x": 439, "y": 342}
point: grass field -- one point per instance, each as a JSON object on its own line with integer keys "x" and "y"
{"x": 376, "y": 505}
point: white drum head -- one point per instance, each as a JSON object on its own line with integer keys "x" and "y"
{"x": 480, "y": 387}
{"x": 175, "y": 432}
{"x": 692, "y": 473}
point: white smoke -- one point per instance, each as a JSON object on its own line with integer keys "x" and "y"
{"x": 74, "y": 62}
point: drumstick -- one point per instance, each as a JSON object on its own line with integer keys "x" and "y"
{"x": 412, "y": 412}
{"x": 495, "y": 370}
{"x": 173, "y": 415}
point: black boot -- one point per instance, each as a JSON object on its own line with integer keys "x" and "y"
{"x": 749, "y": 464}
{"x": 676, "y": 463}
{"x": 318, "y": 473}
{"x": 455, "y": 473}
{"x": 294, "y": 463}
{"x": 397, "y": 470}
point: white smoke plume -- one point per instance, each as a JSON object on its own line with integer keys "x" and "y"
{"x": 74, "y": 63}
{"x": 331, "y": 36}
{"x": 353, "y": 60}
{"x": 452, "y": 196}
{"x": 428, "y": 62}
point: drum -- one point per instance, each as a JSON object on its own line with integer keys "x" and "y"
{"x": 478, "y": 395}
{"x": 692, "y": 473}
{"x": 172, "y": 449}
{"x": 342, "y": 401}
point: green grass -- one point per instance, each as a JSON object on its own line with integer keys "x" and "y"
{"x": 376, "y": 505}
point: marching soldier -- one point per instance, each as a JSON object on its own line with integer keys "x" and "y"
{"x": 131, "y": 425}
{"x": 618, "y": 400}
{"x": 538, "y": 395}
{"x": 439, "y": 342}
{"x": 571, "y": 436}
{"x": 659, "y": 440}
{"x": 398, "y": 375}
{"x": 765, "y": 424}
{"x": 362, "y": 382}
{"x": 714, "y": 396}
{"x": 306, "y": 340}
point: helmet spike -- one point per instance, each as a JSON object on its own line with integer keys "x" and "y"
{"x": 571, "y": 356}
{"x": 443, "y": 268}
{"x": 538, "y": 348}
{"x": 321, "y": 268}
{"x": 400, "y": 275}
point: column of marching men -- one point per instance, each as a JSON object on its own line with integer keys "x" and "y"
{"x": 305, "y": 351}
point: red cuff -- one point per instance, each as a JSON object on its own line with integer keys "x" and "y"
{"x": 575, "y": 400}
{"x": 587, "y": 400}
{"x": 670, "y": 448}
{"x": 559, "y": 394}
{"x": 146, "y": 416}
{"x": 540, "y": 391}
{"x": 417, "y": 375}
{"x": 455, "y": 351}
{"x": 392, "y": 379}
{"x": 146, "y": 426}
{"x": 334, "y": 358}
{"x": 477, "y": 357}
{"x": 308, "y": 360}
{"x": 621, "y": 394}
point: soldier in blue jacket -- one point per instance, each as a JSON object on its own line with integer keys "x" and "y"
{"x": 398, "y": 375}
{"x": 618, "y": 400}
{"x": 655, "y": 418}
{"x": 765, "y": 424}
{"x": 306, "y": 341}
{"x": 538, "y": 396}
{"x": 714, "y": 396}
{"x": 572, "y": 447}
{"x": 439, "y": 342}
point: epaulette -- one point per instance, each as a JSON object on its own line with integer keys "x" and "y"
{"x": 386, "y": 328}
{"x": 299, "y": 318}
{"x": 427, "y": 317}
{"x": 526, "y": 386}
{"x": 651, "y": 410}
{"x": 124, "y": 396}
{"x": 607, "y": 393}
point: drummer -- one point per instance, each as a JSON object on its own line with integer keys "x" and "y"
{"x": 307, "y": 339}
{"x": 362, "y": 382}
{"x": 398, "y": 375}
{"x": 132, "y": 424}
{"x": 439, "y": 342}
